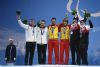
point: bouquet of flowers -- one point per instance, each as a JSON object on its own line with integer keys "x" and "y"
{"x": 74, "y": 12}
{"x": 25, "y": 21}
{"x": 86, "y": 14}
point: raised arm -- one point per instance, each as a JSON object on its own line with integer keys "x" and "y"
{"x": 21, "y": 23}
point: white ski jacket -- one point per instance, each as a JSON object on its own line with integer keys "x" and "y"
{"x": 30, "y": 32}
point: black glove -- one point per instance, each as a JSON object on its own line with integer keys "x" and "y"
{"x": 18, "y": 12}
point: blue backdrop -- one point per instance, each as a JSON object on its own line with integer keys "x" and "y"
{"x": 43, "y": 9}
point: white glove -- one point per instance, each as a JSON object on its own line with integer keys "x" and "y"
{"x": 5, "y": 58}
{"x": 14, "y": 59}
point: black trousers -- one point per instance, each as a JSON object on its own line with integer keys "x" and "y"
{"x": 74, "y": 45}
{"x": 30, "y": 48}
{"x": 83, "y": 53}
{"x": 41, "y": 53}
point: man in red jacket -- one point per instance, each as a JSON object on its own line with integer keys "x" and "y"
{"x": 75, "y": 41}
{"x": 84, "y": 40}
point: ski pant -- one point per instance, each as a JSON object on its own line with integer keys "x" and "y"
{"x": 64, "y": 47}
{"x": 74, "y": 45}
{"x": 53, "y": 45}
{"x": 30, "y": 48}
{"x": 41, "y": 53}
{"x": 84, "y": 54}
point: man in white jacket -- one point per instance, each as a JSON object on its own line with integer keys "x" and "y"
{"x": 30, "y": 34}
{"x": 42, "y": 42}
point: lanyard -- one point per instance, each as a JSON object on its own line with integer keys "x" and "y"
{"x": 42, "y": 31}
{"x": 33, "y": 31}
{"x": 64, "y": 30}
{"x": 52, "y": 29}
